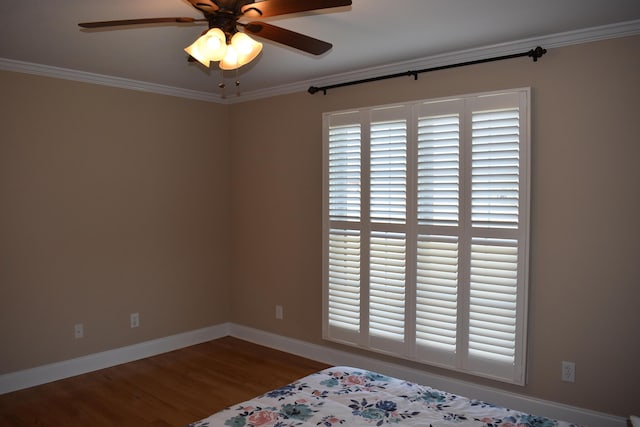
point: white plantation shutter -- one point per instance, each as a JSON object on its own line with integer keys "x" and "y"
{"x": 426, "y": 223}
{"x": 492, "y": 326}
{"x": 499, "y": 236}
{"x": 437, "y": 299}
{"x": 495, "y": 168}
{"x": 387, "y": 289}
{"x": 438, "y": 212}
{"x": 344, "y": 279}
{"x": 493, "y": 305}
{"x": 342, "y": 192}
{"x": 388, "y": 198}
{"x": 387, "y": 249}
{"x": 344, "y": 173}
{"x": 438, "y": 169}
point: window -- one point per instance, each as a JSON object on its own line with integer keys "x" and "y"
{"x": 426, "y": 229}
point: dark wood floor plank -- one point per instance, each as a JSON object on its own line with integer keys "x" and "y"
{"x": 168, "y": 390}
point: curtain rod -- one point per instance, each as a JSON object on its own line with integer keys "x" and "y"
{"x": 534, "y": 53}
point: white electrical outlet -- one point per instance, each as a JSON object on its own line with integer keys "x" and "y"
{"x": 568, "y": 372}
{"x": 135, "y": 320}
{"x": 78, "y": 330}
{"x": 279, "y": 312}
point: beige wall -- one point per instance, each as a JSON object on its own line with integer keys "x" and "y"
{"x": 111, "y": 202}
{"x": 585, "y": 273}
{"x": 114, "y": 201}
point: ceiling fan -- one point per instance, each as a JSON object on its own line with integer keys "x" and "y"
{"x": 224, "y": 42}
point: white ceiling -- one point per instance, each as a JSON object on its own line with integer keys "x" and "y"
{"x": 370, "y": 37}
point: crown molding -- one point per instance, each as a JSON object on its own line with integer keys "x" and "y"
{"x": 624, "y": 29}
{"x": 105, "y": 80}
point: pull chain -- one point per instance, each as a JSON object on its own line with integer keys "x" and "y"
{"x": 237, "y": 83}
{"x": 222, "y": 85}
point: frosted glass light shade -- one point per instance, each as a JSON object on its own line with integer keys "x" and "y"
{"x": 211, "y": 46}
{"x": 242, "y": 50}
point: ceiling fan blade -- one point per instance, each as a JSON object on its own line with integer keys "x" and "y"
{"x": 281, "y": 7}
{"x": 287, "y": 37}
{"x": 207, "y": 6}
{"x": 137, "y": 22}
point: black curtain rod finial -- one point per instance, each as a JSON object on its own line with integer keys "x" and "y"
{"x": 537, "y": 53}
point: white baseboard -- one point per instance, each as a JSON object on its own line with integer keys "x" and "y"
{"x": 43, "y": 374}
{"x": 496, "y": 396}
{"x": 69, "y": 368}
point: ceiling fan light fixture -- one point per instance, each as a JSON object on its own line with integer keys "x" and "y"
{"x": 223, "y": 42}
{"x": 242, "y": 50}
{"x": 211, "y": 46}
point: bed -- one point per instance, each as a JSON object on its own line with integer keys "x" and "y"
{"x": 346, "y": 396}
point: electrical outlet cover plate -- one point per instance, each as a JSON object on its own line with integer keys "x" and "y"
{"x": 135, "y": 320}
{"x": 568, "y": 372}
{"x": 78, "y": 330}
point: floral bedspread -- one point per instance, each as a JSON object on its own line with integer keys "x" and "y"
{"x": 344, "y": 396}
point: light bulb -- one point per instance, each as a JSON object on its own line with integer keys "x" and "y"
{"x": 230, "y": 60}
{"x": 213, "y": 43}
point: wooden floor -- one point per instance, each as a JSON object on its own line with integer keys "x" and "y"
{"x": 172, "y": 389}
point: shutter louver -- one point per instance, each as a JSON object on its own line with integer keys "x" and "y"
{"x": 344, "y": 279}
{"x": 436, "y": 292}
{"x": 495, "y": 170}
{"x": 387, "y": 285}
{"x": 344, "y": 173}
{"x": 438, "y": 170}
{"x": 389, "y": 171}
{"x": 492, "y": 305}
